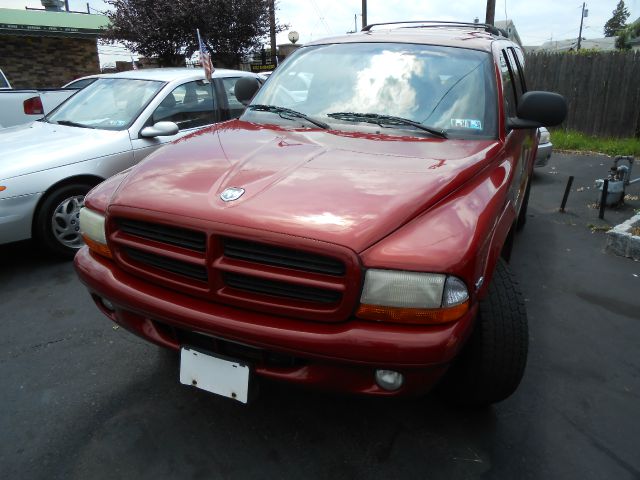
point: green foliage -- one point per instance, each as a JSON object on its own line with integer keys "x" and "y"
{"x": 617, "y": 20}
{"x": 627, "y": 34}
{"x": 166, "y": 29}
{"x": 572, "y": 140}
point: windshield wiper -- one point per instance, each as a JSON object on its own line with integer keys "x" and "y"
{"x": 287, "y": 112}
{"x": 383, "y": 120}
{"x": 69, "y": 123}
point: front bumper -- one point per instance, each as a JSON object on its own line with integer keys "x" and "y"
{"x": 333, "y": 356}
{"x": 16, "y": 217}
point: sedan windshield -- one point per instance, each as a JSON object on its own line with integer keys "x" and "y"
{"x": 408, "y": 88}
{"x": 107, "y": 104}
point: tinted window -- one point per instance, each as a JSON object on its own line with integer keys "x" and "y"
{"x": 508, "y": 88}
{"x": 189, "y": 106}
{"x": 235, "y": 106}
{"x": 3, "y": 81}
{"x": 448, "y": 88}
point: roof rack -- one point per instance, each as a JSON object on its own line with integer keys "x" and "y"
{"x": 438, "y": 23}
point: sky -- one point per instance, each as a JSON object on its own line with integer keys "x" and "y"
{"x": 536, "y": 21}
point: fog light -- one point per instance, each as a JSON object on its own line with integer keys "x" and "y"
{"x": 389, "y": 380}
{"x": 108, "y": 305}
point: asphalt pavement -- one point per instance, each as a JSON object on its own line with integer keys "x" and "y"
{"x": 81, "y": 399}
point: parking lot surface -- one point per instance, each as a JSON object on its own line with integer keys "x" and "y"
{"x": 81, "y": 399}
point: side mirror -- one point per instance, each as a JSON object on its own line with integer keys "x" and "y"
{"x": 160, "y": 129}
{"x": 245, "y": 89}
{"x": 539, "y": 109}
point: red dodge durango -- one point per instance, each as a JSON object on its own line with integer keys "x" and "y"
{"x": 350, "y": 231}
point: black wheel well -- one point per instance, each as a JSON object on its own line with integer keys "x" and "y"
{"x": 92, "y": 180}
{"x": 507, "y": 247}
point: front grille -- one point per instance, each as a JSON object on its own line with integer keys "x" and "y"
{"x": 213, "y": 262}
{"x": 282, "y": 257}
{"x": 185, "y": 269}
{"x": 179, "y": 237}
{"x": 281, "y": 289}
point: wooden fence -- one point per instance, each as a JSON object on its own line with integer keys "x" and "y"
{"x": 602, "y": 89}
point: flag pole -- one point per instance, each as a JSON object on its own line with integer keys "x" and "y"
{"x": 207, "y": 65}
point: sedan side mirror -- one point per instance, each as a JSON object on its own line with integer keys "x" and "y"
{"x": 160, "y": 129}
{"x": 539, "y": 109}
{"x": 246, "y": 88}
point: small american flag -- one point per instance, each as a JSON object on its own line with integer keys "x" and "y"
{"x": 205, "y": 58}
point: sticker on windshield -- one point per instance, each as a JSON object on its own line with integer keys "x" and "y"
{"x": 466, "y": 123}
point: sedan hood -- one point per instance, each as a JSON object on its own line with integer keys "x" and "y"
{"x": 349, "y": 189}
{"x": 40, "y": 146}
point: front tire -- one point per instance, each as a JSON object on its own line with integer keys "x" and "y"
{"x": 492, "y": 363}
{"x": 56, "y": 224}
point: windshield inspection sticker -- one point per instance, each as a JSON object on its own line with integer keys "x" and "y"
{"x": 466, "y": 123}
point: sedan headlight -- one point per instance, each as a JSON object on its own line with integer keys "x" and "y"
{"x": 412, "y": 297}
{"x": 92, "y": 230}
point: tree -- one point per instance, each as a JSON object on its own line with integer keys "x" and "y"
{"x": 627, "y": 34}
{"x": 617, "y": 20}
{"x": 166, "y": 29}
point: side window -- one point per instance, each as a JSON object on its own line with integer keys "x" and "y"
{"x": 516, "y": 73}
{"x": 508, "y": 86}
{"x": 518, "y": 58}
{"x": 235, "y": 106}
{"x": 189, "y": 106}
{"x": 3, "y": 81}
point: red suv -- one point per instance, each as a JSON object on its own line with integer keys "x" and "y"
{"x": 350, "y": 231}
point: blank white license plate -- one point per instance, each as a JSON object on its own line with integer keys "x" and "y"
{"x": 213, "y": 374}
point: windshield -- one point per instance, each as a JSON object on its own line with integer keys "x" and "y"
{"x": 107, "y": 104}
{"x": 448, "y": 89}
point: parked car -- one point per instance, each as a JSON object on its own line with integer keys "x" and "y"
{"x": 22, "y": 106}
{"x": 46, "y": 167}
{"x": 352, "y": 237}
{"x": 545, "y": 147}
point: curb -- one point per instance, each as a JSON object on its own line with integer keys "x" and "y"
{"x": 620, "y": 240}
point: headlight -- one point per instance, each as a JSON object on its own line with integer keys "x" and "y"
{"x": 92, "y": 230}
{"x": 412, "y": 297}
{"x": 545, "y": 137}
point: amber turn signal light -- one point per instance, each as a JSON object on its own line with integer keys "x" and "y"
{"x": 96, "y": 247}
{"x": 413, "y": 316}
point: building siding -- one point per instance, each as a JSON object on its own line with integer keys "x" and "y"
{"x": 46, "y": 62}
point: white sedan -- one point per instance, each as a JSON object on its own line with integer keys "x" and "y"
{"x": 46, "y": 167}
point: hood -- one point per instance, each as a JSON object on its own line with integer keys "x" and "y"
{"x": 349, "y": 189}
{"x": 40, "y": 146}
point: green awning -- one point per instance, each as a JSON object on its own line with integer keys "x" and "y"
{"x": 36, "y": 22}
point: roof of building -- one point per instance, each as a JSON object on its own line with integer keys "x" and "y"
{"x": 475, "y": 38}
{"x": 509, "y": 27}
{"x": 44, "y": 23}
{"x": 607, "y": 43}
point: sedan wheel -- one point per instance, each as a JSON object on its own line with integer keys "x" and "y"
{"x": 56, "y": 223}
{"x": 65, "y": 222}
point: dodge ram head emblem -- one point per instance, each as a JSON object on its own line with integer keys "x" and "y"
{"x": 231, "y": 194}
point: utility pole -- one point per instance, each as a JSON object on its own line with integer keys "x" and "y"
{"x": 581, "y": 20}
{"x": 364, "y": 13}
{"x": 272, "y": 29}
{"x": 491, "y": 12}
